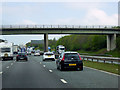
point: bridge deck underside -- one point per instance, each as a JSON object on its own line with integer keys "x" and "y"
{"x": 10, "y": 31}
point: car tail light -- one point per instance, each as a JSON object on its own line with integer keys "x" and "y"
{"x": 17, "y": 55}
{"x": 79, "y": 57}
{"x": 25, "y": 55}
{"x": 63, "y": 58}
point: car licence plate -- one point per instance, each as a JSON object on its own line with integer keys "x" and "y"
{"x": 49, "y": 55}
{"x": 72, "y": 64}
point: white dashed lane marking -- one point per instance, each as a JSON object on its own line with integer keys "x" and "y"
{"x": 1, "y": 72}
{"x": 63, "y": 81}
{"x": 11, "y": 63}
{"x": 50, "y": 71}
{"x": 40, "y": 62}
{"x": 7, "y": 67}
{"x": 43, "y": 65}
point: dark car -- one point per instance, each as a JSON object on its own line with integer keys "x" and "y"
{"x": 21, "y": 56}
{"x": 69, "y": 60}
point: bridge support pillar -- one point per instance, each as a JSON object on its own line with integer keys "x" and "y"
{"x": 111, "y": 42}
{"x": 45, "y": 42}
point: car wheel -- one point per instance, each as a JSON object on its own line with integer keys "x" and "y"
{"x": 53, "y": 60}
{"x": 43, "y": 59}
{"x": 57, "y": 66}
{"x": 11, "y": 58}
{"x": 80, "y": 68}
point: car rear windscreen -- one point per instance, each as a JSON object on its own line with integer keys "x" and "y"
{"x": 62, "y": 48}
{"x": 21, "y": 53}
{"x": 49, "y": 54}
{"x": 71, "y": 56}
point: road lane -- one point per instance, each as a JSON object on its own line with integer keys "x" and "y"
{"x": 43, "y": 74}
{"x": 87, "y": 78}
{"x": 30, "y": 75}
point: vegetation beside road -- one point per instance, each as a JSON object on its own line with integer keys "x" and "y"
{"x": 89, "y": 44}
{"x": 113, "y": 68}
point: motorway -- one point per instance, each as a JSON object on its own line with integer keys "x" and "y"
{"x": 36, "y": 73}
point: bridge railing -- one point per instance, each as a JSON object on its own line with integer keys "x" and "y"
{"x": 56, "y": 26}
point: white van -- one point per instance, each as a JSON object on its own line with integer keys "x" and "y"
{"x": 60, "y": 49}
{"x": 6, "y": 51}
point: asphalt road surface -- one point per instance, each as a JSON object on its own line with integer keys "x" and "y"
{"x": 36, "y": 73}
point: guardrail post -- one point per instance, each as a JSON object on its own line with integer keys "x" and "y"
{"x": 104, "y": 61}
{"x": 83, "y": 58}
{"x": 97, "y": 60}
{"x": 92, "y": 59}
{"x": 111, "y": 62}
{"x": 87, "y": 59}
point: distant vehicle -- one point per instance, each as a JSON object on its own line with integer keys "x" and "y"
{"x": 6, "y": 50}
{"x": 69, "y": 60}
{"x": 37, "y": 53}
{"x": 28, "y": 51}
{"x": 48, "y": 56}
{"x": 21, "y": 56}
{"x": 23, "y": 49}
{"x": 60, "y": 49}
{"x": 49, "y": 49}
{"x": 15, "y": 49}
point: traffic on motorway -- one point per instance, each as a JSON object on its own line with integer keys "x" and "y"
{"x": 30, "y": 68}
{"x": 64, "y": 60}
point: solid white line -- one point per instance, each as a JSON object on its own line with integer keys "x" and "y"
{"x": 63, "y": 81}
{"x": 11, "y": 63}
{"x": 43, "y": 65}
{"x": 50, "y": 71}
{"x": 7, "y": 67}
{"x": 102, "y": 71}
{"x": 1, "y": 72}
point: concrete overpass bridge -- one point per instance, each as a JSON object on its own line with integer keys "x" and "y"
{"x": 110, "y": 31}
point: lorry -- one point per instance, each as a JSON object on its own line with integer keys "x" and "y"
{"x": 60, "y": 49}
{"x": 6, "y": 51}
{"x": 15, "y": 49}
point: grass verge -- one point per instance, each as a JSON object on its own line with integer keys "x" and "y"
{"x": 113, "y": 68}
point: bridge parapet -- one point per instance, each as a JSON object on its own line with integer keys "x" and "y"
{"x": 58, "y": 26}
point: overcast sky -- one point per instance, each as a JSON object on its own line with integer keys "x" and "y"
{"x": 62, "y": 12}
